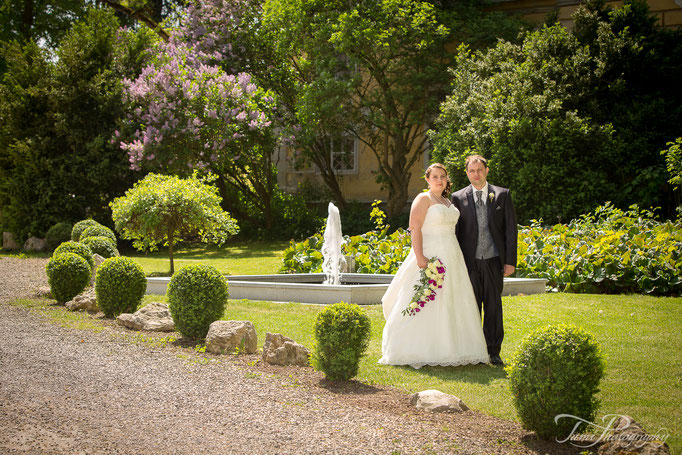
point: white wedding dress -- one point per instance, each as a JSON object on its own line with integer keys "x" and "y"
{"x": 447, "y": 331}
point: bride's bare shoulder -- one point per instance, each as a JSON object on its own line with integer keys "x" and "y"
{"x": 422, "y": 200}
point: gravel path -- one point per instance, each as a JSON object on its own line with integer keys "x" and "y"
{"x": 65, "y": 390}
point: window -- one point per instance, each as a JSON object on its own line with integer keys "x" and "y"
{"x": 344, "y": 155}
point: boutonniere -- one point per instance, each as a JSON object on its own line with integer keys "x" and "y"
{"x": 491, "y": 196}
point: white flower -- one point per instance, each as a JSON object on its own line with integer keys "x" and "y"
{"x": 427, "y": 286}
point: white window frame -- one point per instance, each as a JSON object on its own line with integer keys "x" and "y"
{"x": 334, "y": 145}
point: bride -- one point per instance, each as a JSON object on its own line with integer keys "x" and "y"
{"x": 447, "y": 330}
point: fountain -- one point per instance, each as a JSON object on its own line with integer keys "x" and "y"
{"x": 331, "y": 286}
{"x": 331, "y": 248}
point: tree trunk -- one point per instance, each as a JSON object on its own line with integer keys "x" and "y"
{"x": 321, "y": 158}
{"x": 397, "y": 197}
{"x": 27, "y": 20}
{"x": 170, "y": 254}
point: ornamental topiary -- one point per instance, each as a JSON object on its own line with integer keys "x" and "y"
{"x": 342, "y": 333}
{"x": 98, "y": 231}
{"x": 79, "y": 227}
{"x": 120, "y": 285}
{"x": 197, "y": 295}
{"x": 100, "y": 245}
{"x": 67, "y": 274}
{"x": 76, "y": 247}
{"x": 556, "y": 370}
{"x": 58, "y": 234}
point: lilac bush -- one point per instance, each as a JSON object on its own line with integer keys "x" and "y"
{"x": 190, "y": 110}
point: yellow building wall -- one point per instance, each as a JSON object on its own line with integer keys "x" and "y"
{"x": 358, "y": 186}
{"x": 669, "y": 12}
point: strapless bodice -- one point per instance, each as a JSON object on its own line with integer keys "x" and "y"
{"x": 440, "y": 220}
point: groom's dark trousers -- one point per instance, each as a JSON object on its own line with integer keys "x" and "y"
{"x": 487, "y": 280}
{"x": 487, "y": 275}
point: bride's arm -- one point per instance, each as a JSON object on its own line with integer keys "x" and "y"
{"x": 417, "y": 215}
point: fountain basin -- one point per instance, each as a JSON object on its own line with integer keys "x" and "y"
{"x": 358, "y": 288}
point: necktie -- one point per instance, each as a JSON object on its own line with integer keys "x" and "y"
{"x": 479, "y": 200}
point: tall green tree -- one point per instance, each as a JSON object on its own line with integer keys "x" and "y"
{"x": 57, "y": 158}
{"x": 38, "y": 20}
{"x": 374, "y": 71}
{"x": 569, "y": 119}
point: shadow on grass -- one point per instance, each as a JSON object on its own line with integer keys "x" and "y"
{"x": 477, "y": 374}
{"x": 243, "y": 250}
{"x": 351, "y": 387}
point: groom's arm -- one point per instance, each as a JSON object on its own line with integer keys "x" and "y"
{"x": 510, "y": 235}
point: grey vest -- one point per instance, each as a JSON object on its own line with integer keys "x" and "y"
{"x": 485, "y": 248}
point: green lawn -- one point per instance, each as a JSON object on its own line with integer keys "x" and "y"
{"x": 243, "y": 258}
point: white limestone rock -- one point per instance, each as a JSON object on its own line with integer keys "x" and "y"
{"x": 226, "y": 337}
{"x": 153, "y": 317}
{"x": 86, "y": 300}
{"x": 281, "y": 350}
{"x": 8, "y": 242}
{"x": 437, "y": 401}
{"x": 98, "y": 260}
{"x": 35, "y": 244}
{"x": 630, "y": 438}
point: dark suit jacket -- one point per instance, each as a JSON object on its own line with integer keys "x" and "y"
{"x": 501, "y": 222}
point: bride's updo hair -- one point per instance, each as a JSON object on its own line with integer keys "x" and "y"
{"x": 427, "y": 174}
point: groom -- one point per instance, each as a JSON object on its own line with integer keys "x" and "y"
{"x": 487, "y": 233}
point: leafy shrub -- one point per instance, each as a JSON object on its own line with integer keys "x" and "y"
{"x": 673, "y": 161}
{"x": 79, "y": 227}
{"x": 76, "y": 247}
{"x": 610, "y": 251}
{"x": 556, "y": 370}
{"x": 294, "y": 217}
{"x": 120, "y": 285}
{"x": 103, "y": 246}
{"x": 539, "y": 110}
{"x": 342, "y": 333}
{"x": 67, "y": 274}
{"x": 164, "y": 210}
{"x": 57, "y": 234}
{"x": 374, "y": 252}
{"x": 99, "y": 231}
{"x": 197, "y": 295}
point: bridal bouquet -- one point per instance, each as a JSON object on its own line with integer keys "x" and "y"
{"x": 425, "y": 290}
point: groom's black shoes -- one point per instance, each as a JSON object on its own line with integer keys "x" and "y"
{"x": 496, "y": 360}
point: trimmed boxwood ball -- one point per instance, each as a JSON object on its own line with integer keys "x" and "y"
{"x": 79, "y": 227}
{"x": 58, "y": 234}
{"x": 67, "y": 274}
{"x": 76, "y": 247}
{"x": 98, "y": 231}
{"x": 342, "y": 333}
{"x": 120, "y": 285}
{"x": 556, "y": 370}
{"x": 100, "y": 245}
{"x": 197, "y": 295}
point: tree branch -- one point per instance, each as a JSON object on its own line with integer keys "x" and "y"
{"x": 140, "y": 15}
